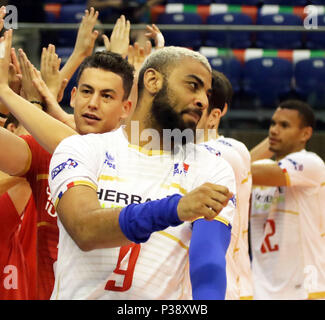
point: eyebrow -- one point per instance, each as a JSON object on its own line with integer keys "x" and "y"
{"x": 90, "y": 87}
{"x": 199, "y": 80}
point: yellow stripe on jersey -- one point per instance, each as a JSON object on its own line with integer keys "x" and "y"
{"x": 288, "y": 182}
{"x": 322, "y": 184}
{"x": 174, "y": 185}
{"x": 168, "y": 235}
{"x": 223, "y": 220}
{"x": 73, "y": 184}
{"x": 246, "y": 179}
{"x": 287, "y": 211}
{"x": 42, "y": 176}
{"x": 246, "y": 298}
{"x": 45, "y": 224}
{"x": 316, "y": 295}
{"x": 110, "y": 178}
{"x": 148, "y": 152}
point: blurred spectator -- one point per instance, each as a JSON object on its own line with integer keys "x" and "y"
{"x": 136, "y": 11}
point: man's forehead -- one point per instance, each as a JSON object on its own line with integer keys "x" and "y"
{"x": 189, "y": 66}
{"x": 101, "y": 78}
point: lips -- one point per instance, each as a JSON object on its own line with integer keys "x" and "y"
{"x": 195, "y": 113}
{"x": 90, "y": 116}
{"x": 273, "y": 140}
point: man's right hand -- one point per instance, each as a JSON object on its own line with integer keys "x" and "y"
{"x": 205, "y": 201}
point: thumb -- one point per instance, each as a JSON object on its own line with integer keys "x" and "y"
{"x": 106, "y": 42}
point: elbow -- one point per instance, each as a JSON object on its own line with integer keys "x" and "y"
{"x": 83, "y": 239}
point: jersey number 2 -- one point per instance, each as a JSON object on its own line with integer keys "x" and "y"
{"x": 266, "y": 245}
{"x": 133, "y": 251}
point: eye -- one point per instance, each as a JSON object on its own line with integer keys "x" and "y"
{"x": 194, "y": 86}
{"x": 107, "y": 96}
{"x": 85, "y": 91}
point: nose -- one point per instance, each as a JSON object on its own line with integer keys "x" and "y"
{"x": 94, "y": 101}
{"x": 273, "y": 130}
{"x": 202, "y": 101}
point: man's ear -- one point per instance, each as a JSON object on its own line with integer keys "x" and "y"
{"x": 127, "y": 106}
{"x": 73, "y": 96}
{"x": 306, "y": 134}
{"x": 214, "y": 118}
{"x": 153, "y": 80}
{"x": 225, "y": 109}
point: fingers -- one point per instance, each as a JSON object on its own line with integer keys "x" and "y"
{"x": 2, "y": 15}
{"x": 107, "y": 43}
{"x": 205, "y": 201}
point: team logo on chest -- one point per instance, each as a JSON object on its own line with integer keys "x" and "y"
{"x": 109, "y": 160}
{"x": 180, "y": 169}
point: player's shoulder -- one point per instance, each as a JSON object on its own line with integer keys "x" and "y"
{"x": 208, "y": 157}
{"x": 305, "y": 158}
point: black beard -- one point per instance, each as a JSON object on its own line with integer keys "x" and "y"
{"x": 164, "y": 114}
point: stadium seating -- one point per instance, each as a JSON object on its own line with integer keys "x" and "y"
{"x": 269, "y": 79}
{"x": 309, "y": 77}
{"x": 229, "y": 39}
{"x": 316, "y": 40}
{"x": 279, "y": 40}
{"x": 231, "y": 67}
{"x": 71, "y": 13}
{"x": 240, "y": 2}
{"x": 287, "y": 2}
{"x": 200, "y": 2}
{"x": 191, "y": 39}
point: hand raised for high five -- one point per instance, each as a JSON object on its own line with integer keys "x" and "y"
{"x": 50, "y": 71}
{"x": 120, "y": 37}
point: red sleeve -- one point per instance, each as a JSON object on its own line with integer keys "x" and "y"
{"x": 9, "y": 218}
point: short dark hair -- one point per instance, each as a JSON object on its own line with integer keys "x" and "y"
{"x": 221, "y": 92}
{"x": 113, "y": 62}
{"x": 11, "y": 119}
{"x": 304, "y": 109}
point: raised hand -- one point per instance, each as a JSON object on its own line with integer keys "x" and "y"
{"x": 50, "y": 71}
{"x": 120, "y": 37}
{"x": 137, "y": 54}
{"x": 2, "y": 15}
{"x": 5, "y": 52}
{"x": 205, "y": 201}
{"x": 14, "y": 73}
{"x": 29, "y": 91}
{"x": 154, "y": 33}
{"x": 86, "y": 35}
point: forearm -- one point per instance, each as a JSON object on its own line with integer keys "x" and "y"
{"x": 261, "y": 151}
{"x": 71, "y": 65}
{"x": 15, "y": 153}
{"x": 209, "y": 244}
{"x": 48, "y": 131}
{"x": 268, "y": 175}
{"x": 89, "y": 225}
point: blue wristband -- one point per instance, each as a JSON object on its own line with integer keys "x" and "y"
{"x": 138, "y": 221}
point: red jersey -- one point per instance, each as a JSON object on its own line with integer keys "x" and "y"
{"x": 47, "y": 229}
{"x": 17, "y": 251}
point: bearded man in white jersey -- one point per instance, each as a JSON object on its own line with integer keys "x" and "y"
{"x": 239, "y": 280}
{"x": 133, "y": 215}
{"x": 288, "y": 210}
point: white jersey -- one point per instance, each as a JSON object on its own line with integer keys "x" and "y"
{"x": 287, "y": 232}
{"x": 123, "y": 174}
{"x": 239, "y": 275}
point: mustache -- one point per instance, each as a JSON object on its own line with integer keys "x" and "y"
{"x": 195, "y": 110}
